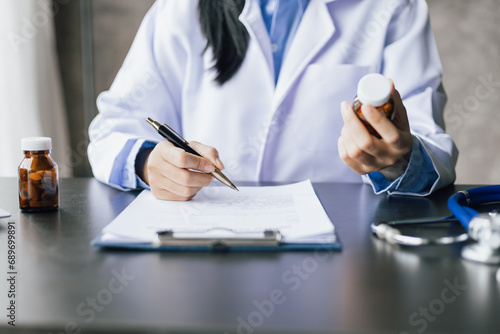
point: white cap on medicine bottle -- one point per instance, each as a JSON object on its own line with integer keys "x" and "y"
{"x": 36, "y": 144}
{"x": 374, "y": 89}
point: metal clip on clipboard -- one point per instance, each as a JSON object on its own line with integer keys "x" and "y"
{"x": 170, "y": 238}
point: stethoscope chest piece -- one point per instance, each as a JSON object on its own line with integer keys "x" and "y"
{"x": 485, "y": 229}
{"x": 480, "y": 253}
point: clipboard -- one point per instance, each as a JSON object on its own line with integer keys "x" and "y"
{"x": 268, "y": 240}
{"x": 272, "y": 218}
{"x": 4, "y": 214}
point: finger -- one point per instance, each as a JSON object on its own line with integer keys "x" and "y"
{"x": 209, "y": 153}
{"x": 396, "y": 140}
{"x": 400, "y": 115}
{"x": 354, "y": 151}
{"x": 166, "y": 195}
{"x": 181, "y": 159}
{"x": 365, "y": 161}
{"x": 356, "y": 133}
{"x": 385, "y": 128}
{"x": 166, "y": 184}
{"x": 355, "y": 165}
{"x": 178, "y": 191}
{"x": 351, "y": 120}
{"x": 183, "y": 177}
{"x": 345, "y": 156}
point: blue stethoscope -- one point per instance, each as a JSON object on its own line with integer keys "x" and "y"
{"x": 484, "y": 228}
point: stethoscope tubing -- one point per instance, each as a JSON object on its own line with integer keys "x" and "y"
{"x": 459, "y": 202}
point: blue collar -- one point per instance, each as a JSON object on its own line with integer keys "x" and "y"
{"x": 282, "y": 19}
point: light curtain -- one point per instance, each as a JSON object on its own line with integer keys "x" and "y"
{"x": 31, "y": 99}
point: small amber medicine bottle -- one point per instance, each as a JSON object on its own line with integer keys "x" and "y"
{"x": 38, "y": 176}
{"x": 374, "y": 89}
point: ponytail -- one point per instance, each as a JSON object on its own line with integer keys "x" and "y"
{"x": 225, "y": 34}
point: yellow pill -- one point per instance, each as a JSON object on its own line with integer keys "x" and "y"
{"x": 35, "y": 177}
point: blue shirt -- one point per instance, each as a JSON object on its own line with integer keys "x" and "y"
{"x": 282, "y": 18}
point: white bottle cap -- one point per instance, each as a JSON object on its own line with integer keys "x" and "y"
{"x": 374, "y": 89}
{"x": 36, "y": 144}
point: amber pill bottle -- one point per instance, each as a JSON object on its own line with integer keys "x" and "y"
{"x": 374, "y": 89}
{"x": 38, "y": 176}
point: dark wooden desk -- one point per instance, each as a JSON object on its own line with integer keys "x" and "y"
{"x": 64, "y": 285}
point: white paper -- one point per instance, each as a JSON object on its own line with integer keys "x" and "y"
{"x": 4, "y": 214}
{"x": 216, "y": 211}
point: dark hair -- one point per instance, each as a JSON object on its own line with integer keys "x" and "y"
{"x": 225, "y": 34}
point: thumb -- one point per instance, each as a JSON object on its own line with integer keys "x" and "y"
{"x": 209, "y": 153}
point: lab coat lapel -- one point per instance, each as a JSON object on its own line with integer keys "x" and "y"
{"x": 315, "y": 30}
{"x": 251, "y": 18}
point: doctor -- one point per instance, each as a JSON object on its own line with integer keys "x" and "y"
{"x": 264, "y": 82}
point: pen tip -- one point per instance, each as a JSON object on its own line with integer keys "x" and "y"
{"x": 153, "y": 123}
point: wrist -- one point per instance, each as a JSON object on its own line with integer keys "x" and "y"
{"x": 141, "y": 163}
{"x": 393, "y": 172}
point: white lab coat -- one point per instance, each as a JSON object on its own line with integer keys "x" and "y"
{"x": 267, "y": 133}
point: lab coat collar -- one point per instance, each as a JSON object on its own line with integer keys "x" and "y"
{"x": 314, "y": 31}
{"x": 251, "y": 17}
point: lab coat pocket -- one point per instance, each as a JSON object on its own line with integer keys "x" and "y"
{"x": 319, "y": 93}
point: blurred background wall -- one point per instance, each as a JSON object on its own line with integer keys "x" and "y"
{"x": 93, "y": 37}
{"x": 468, "y": 38}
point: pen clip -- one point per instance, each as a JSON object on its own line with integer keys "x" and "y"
{"x": 175, "y": 132}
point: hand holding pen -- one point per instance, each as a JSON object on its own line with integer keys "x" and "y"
{"x": 173, "y": 168}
